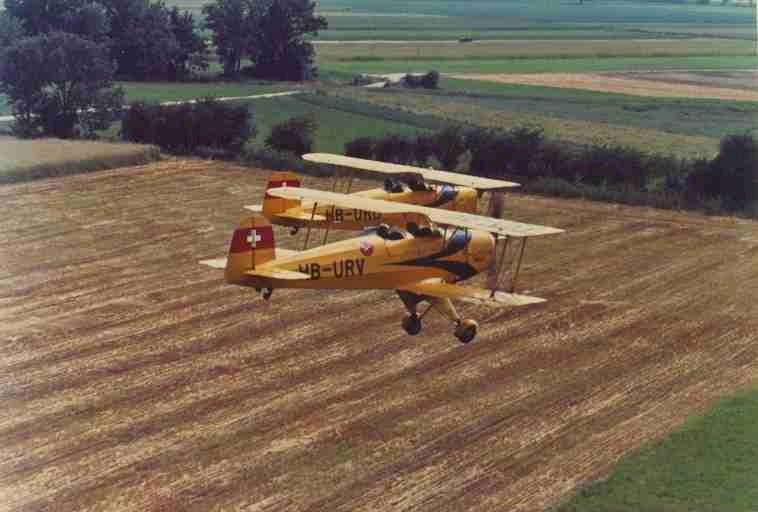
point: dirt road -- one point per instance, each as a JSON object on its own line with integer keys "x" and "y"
{"x": 134, "y": 379}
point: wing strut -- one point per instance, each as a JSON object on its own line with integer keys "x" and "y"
{"x": 513, "y": 267}
{"x": 308, "y": 231}
{"x": 336, "y": 188}
{"x": 518, "y": 265}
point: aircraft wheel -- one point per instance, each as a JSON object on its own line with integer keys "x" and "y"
{"x": 293, "y": 231}
{"x": 267, "y": 293}
{"x": 466, "y": 331}
{"x": 412, "y": 324}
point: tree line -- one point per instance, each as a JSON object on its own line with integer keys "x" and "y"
{"x": 59, "y": 58}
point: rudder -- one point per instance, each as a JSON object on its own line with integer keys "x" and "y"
{"x": 252, "y": 245}
{"x": 273, "y": 205}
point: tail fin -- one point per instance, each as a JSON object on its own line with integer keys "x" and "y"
{"x": 273, "y": 205}
{"x": 252, "y": 245}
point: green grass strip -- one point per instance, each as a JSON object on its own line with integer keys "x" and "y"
{"x": 710, "y": 464}
{"x": 544, "y": 65}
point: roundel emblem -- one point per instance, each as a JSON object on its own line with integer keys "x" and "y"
{"x": 367, "y": 248}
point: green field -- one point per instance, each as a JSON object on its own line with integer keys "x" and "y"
{"x": 521, "y": 12}
{"x": 686, "y": 116}
{"x": 534, "y": 48}
{"x": 709, "y": 464}
{"x": 581, "y": 118}
{"x": 338, "y": 121}
{"x": 165, "y": 91}
{"x": 543, "y": 65}
{"x": 521, "y": 19}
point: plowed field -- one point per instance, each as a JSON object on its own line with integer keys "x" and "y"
{"x": 672, "y": 85}
{"x": 134, "y": 379}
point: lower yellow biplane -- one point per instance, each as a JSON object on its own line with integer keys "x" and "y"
{"x": 404, "y": 184}
{"x": 423, "y": 262}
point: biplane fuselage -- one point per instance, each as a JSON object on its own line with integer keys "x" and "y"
{"x": 367, "y": 262}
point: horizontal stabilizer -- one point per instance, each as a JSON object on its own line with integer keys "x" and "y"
{"x": 257, "y": 208}
{"x": 437, "y": 288}
{"x": 214, "y": 263}
{"x": 285, "y": 253}
{"x": 220, "y": 263}
{"x": 276, "y": 273}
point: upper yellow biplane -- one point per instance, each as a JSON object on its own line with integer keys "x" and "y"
{"x": 404, "y": 184}
{"x": 423, "y": 258}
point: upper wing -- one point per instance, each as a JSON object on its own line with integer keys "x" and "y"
{"x": 437, "y": 288}
{"x": 446, "y": 217}
{"x": 435, "y": 176}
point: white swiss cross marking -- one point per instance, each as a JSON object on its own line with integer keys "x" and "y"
{"x": 253, "y": 238}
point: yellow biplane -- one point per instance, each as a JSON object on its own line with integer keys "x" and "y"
{"x": 423, "y": 262}
{"x": 404, "y": 184}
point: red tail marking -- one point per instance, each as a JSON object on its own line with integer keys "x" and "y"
{"x": 249, "y": 239}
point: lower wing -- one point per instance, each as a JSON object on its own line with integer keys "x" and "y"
{"x": 440, "y": 289}
{"x": 291, "y": 215}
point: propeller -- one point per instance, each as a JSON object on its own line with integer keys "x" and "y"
{"x": 497, "y": 208}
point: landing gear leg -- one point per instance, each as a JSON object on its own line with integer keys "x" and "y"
{"x": 465, "y": 330}
{"x": 412, "y": 322}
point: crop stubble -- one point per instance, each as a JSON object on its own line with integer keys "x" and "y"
{"x": 134, "y": 379}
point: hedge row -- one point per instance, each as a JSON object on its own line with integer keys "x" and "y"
{"x": 207, "y": 126}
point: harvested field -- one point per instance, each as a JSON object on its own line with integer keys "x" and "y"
{"x": 679, "y": 85}
{"x": 134, "y": 379}
{"x": 744, "y": 80}
{"x": 24, "y": 160}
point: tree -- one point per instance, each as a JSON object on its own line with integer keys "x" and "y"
{"x": 142, "y": 45}
{"x": 294, "y": 135}
{"x": 449, "y": 145}
{"x": 233, "y": 23}
{"x": 734, "y": 172}
{"x": 362, "y": 147}
{"x": 148, "y": 41}
{"x": 394, "y": 149}
{"x": 59, "y": 84}
{"x": 11, "y": 30}
{"x": 423, "y": 149}
{"x": 281, "y": 50}
{"x": 430, "y": 80}
{"x": 191, "y": 48}
{"x": 82, "y": 17}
